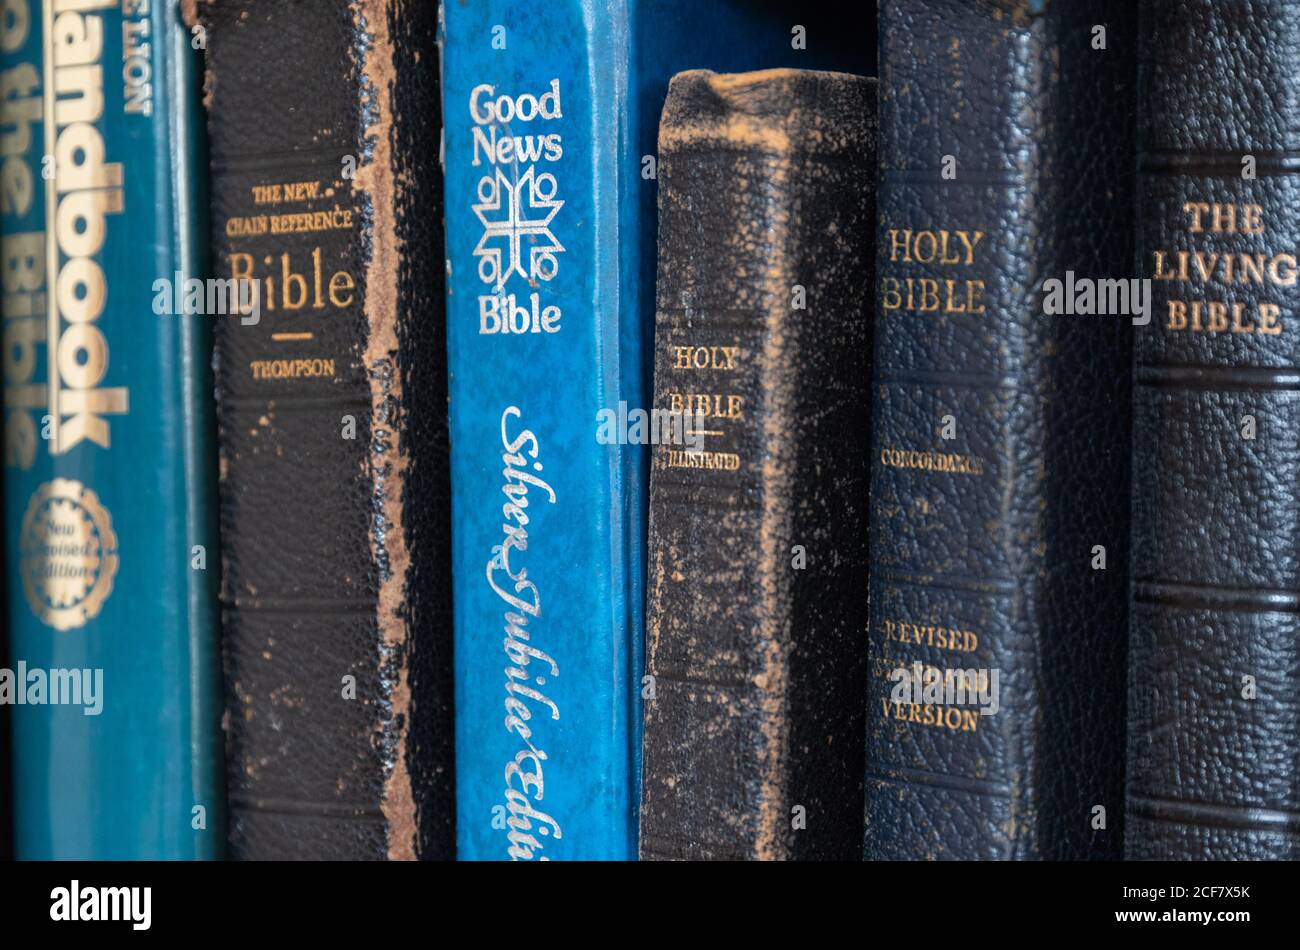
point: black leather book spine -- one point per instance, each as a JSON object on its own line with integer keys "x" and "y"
{"x": 757, "y": 538}
{"x": 1214, "y": 728}
{"x": 324, "y": 124}
{"x": 1000, "y": 469}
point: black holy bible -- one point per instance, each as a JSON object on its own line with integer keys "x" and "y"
{"x": 1214, "y": 703}
{"x": 324, "y": 123}
{"x": 1000, "y": 463}
{"x": 758, "y": 512}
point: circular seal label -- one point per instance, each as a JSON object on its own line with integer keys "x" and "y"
{"x": 68, "y": 554}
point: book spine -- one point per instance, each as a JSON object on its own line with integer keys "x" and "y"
{"x": 1000, "y": 481}
{"x": 542, "y": 336}
{"x": 332, "y": 406}
{"x": 754, "y": 739}
{"x": 110, "y": 537}
{"x": 1214, "y": 710}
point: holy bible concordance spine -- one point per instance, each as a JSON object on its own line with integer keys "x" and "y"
{"x": 1214, "y": 704}
{"x": 1000, "y": 501}
{"x": 113, "y": 678}
{"x": 754, "y": 737}
{"x": 332, "y": 410}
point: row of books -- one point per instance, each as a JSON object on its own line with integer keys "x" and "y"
{"x": 637, "y": 432}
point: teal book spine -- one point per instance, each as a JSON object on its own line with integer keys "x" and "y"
{"x": 110, "y": 530}
{"x": 550, "y": 120}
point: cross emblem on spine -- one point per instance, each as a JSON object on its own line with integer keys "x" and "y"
{"x": 529, "y": 205}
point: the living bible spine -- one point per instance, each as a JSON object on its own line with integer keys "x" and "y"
{"x": 110, "y": 467}
{"x": 1214, "y": 702}
{"x": 332, "y": 412}
{"x": 999, "y": 517}
{"x": 754, "y": 737}
{"x": 551, "y": 120}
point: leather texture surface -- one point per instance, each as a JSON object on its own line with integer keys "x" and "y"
{"x": 1214, "y": 732}
{"x": 334, "y": 487}
{"x": 1000, "y": 434}
{"x": 754, "y": 738}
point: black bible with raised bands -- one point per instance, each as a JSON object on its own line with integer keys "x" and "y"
{"x": 1214, "y": 728}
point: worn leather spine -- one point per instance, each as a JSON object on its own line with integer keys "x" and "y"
{"x": 324, "y": 121}
{"x": 753, "y": 738}
{"x": 1000, "y": 432}
{"x": 1214, "y": 728}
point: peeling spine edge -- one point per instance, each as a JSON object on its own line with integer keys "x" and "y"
{"x": 376, "y": 178}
